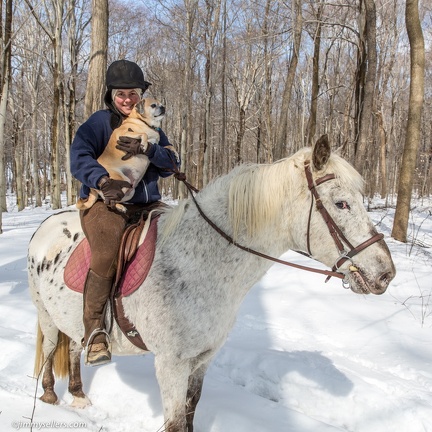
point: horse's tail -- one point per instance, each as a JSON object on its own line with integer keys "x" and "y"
{"x": 61, "y": 355}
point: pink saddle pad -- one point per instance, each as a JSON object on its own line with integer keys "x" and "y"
{"x": 136, "y": 269}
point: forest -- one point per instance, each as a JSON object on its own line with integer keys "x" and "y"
{"x": 242, "y": 81}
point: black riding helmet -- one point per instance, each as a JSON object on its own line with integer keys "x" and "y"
{"x": 122, "y": 74}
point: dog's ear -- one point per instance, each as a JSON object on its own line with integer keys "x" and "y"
{"x": 140, "y": 106}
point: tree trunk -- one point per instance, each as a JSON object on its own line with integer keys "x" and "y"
{"x": 5, "y": 81}
{"x": 55, "y": 122}
{"x": 187, "y": 130}
{"x": 223, "y": 156}
{"x": 240, "y": 135}
{"x": 71, "y": 183}
{"x": 280, "y": 149}
{"x": 362, "y": 160}
{"x": 212, "y": 28}
{"x": 265, "y": 132}
{"x": 311, "y": 128}
{"x": 98, "y": 57}
{"x": 413, "y": 133}
{"x": 383, "y": 154}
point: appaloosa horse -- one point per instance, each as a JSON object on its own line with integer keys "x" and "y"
{"x": 187, "y": 305}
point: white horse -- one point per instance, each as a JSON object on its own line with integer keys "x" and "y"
{"x": 188, "y": 304}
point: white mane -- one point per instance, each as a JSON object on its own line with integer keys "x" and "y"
{"x": 257, "y": 192}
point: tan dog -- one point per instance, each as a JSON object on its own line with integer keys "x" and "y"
{"x": 136, "y": 125}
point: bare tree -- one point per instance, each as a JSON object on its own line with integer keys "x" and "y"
{"x": 311, "y": 127}
{"x": 98, "y": 57}
{"x": 187, "y": 115}
{"x": 76, "y": 24}
{"x": 5, "y": 79}
{"x": 368, "y": 27}
{"x": 212, "y": 26}
{"x": 53, "y": 29}
{"x": 280, "y": 149}
{"x": 236, "y": 79}
{"x": 413, "y": 133}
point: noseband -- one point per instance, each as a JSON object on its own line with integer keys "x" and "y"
{"x": 337, "y": 235}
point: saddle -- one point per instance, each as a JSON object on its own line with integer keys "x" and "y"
{"x": 135, "y": 257}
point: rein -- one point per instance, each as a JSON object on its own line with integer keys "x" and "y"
{"x": 334, "y": 230}
{"x": 182, "y": 177}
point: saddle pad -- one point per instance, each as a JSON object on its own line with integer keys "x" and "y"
{"x": 77, "y": 267}
{"x": 135, "y": 272}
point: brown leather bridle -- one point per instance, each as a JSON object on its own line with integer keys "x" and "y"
{"x": 337, "y": 235}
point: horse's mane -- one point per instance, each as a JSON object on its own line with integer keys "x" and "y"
{"x": 257, "y": 192}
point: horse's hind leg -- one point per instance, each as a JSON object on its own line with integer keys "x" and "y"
{"x": 49, "y": 345}
{"x": 80, "y": 400}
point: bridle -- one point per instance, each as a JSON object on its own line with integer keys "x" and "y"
{"x": 337, "y": 235}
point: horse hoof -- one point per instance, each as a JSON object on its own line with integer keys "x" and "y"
{"x": 49, "y": 397}
{"x": 80, "y": 402}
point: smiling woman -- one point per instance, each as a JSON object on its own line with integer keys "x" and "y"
{"x": 104, "y": 221}
{"x": 125, "y": 100}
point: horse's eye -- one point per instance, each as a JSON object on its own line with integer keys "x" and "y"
{"x": 343, "y": 205}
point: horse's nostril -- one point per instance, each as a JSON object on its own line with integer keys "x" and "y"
{"x": 384, "y": 280}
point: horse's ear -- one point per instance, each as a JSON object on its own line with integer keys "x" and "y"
{"x": 321, "y": 153}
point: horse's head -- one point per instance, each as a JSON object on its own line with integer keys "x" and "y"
{"x": 339, "y": 232}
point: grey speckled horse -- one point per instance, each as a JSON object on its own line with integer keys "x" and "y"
{"x": 189, "y": 301}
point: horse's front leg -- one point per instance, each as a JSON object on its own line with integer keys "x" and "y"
{"x": 194, "y": 394}
{"x": 173, "y": 377}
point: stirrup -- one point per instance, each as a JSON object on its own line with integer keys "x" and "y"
{"x": 103, "y": 359}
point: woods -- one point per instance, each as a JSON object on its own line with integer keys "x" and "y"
{"x": 243, "y": 81}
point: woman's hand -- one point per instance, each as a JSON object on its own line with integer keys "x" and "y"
{"x": 113, "y": 190}
{"x": 131, "y": 146}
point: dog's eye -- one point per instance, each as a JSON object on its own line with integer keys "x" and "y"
{"x": 153, "y": 105}
{"x": 342, "y": 205}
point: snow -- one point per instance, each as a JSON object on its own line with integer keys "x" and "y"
{"x": 304, "y": 356}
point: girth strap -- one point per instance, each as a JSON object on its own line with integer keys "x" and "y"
{"x": 127, "y": 327}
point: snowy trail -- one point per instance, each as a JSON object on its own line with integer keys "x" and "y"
{"x": 304, "y": 356}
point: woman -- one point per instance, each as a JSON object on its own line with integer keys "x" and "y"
{"x": 102, "y": 224}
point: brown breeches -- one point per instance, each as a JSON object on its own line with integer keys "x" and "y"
{"x": 104, "y": 229}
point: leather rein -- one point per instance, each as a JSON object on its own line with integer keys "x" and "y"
{"x": 334, "y": 230}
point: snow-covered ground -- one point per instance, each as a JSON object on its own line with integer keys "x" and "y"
{"x": 304, "y": 356}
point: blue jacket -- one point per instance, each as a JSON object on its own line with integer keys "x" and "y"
{"x": 91, "y": 140}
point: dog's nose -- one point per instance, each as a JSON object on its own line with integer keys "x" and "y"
{"x": 162, "y": 109}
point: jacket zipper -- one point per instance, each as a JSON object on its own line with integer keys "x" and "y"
{"x": 145, "y": 190}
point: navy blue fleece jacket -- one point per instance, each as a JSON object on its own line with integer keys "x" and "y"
{"x": 91, "y": 140}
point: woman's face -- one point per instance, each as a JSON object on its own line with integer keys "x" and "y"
{"x": 125, "y": 99}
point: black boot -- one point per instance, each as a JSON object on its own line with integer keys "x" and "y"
{"x": 96, "y": 340}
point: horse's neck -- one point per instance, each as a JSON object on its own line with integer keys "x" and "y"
{"x": 213, "y": 203}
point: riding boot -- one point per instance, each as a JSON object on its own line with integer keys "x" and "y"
{"x": 96, "y": 340}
